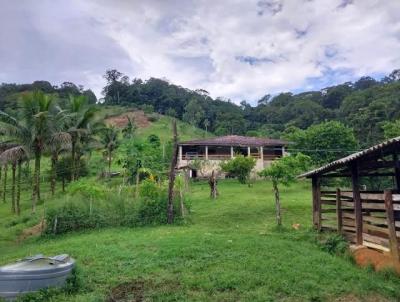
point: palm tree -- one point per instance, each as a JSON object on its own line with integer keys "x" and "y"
{"x": 15, "y": 156}
{"x": 3, "y": 166}
{"x": 32, "y": 130}
{"x": 81, "y": 116}
{"x": 206, "y": 125}
{"x": 129, "y": 130}
{"x": 59, "y": 142}
{"x": 109, "y": 139}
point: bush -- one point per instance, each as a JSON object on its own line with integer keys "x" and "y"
{"x": 239, "y": 167}
{"x": 154, "y": 117}
{"x": 63, "y": 168}
{"x": 151, "y": 211}
{"x": 334, "y": 244}
{"x": 73, "y": 216}
{"x": 147, "y": 108}
{"x": 95, "y": 208}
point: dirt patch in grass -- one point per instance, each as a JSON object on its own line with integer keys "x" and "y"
{"x": 369, "y": 298}
{"x": 365, "y": 256}
{"x": 36, "y": 230}
{"x": 140, "y": 289}
{"x": 121, "y": 120}
{"x": 128, "y": 292}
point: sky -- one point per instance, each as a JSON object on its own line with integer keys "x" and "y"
{"x": 234, "y": 49}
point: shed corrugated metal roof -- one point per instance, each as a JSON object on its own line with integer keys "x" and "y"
{"x": 235, "y": 140}
{"x": 345, "y": 160}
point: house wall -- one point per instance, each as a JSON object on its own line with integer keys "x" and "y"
{"x": 207, "y": 166}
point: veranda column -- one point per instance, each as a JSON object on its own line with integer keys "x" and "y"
{"x": 206, "y": 152}
{"x": 248, "y": 151}
{"x": 180, "y": 153}
{"x": 232, "y": 155}
{"x": 262, "y": 153}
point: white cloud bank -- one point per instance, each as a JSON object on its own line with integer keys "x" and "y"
{"x": 236, "y": 49}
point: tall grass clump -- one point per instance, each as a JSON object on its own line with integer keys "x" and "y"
{"x": 89, "y": 205}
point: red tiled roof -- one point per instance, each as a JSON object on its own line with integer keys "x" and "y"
{"x": 235, "y": 140}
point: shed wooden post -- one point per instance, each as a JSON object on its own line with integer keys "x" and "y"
{"x": 180, "y": 153}
{"x": 232, "y": 154}
{"x": 396, "y": 170}
{"x": 316, "y": 197}
{"x": 206, "y": 152}
{"x": 339, "y": 211}
{"x": 394, "y": 245}
{"x": 357, "y": 203}
{"x": 248, "y": 151}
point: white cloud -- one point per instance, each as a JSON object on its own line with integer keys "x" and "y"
{"x": 241, "y": 49}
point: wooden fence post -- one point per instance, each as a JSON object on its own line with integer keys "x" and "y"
{"x": 394, "y": 245}
{"x": 316, "y": 191}
{"x": 339, "y": 211}
{"x": 357, "y": 203}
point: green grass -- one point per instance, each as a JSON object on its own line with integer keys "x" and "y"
{"x": 230, "y": 251}
{"x": 163, "y": 128}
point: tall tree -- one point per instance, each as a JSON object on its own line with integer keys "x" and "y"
{"x": 79, "y": 125}
{"x": 32, "y": 130}
{"x": 174, "y": 160}
{"x": 15, "y": 156}
{"x": 59, "y": 142}
{"x": 109, "y": 139}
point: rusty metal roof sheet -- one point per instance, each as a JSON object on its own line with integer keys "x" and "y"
{"x": 235, "y": 140}
{"x": 355, "y": 156}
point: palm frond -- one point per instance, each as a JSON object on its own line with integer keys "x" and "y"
{"x": 13, "y": 155}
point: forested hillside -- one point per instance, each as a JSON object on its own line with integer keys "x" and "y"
{"x": 370, "y": 107}
{"x": 365, "y": 105}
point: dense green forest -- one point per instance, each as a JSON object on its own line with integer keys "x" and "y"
{"x": 370, "y": 107}
{"x": 365, "y": 105}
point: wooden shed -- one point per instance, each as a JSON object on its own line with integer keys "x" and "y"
{"x": 365, "y": 216}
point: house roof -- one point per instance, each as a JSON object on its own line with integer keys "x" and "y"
{"x": 389, "y": 145}
{"x": 235, "y": 140}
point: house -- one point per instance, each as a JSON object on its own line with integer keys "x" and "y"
{"x": 203, "y": 156}
{"x": 367, "y": 213}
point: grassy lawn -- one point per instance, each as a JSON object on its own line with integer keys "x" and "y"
{"x": 229, "y": 251}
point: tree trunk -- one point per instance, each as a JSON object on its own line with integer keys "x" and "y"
{"x": 77, "y": 165}
{"x": 181, "y": 199}
{"x": 1, "y": 172}
{"x": 19, "y": 187}
{"x": 5, "y": 183}
{"x": 277, "y": 203}
{"x": 109, "y": 162}
{"x": 213, "y": 185}
{"x": 73, "y": 150}
{"x": 53, "y": 174}
{"x": 137, "y": 184}
{"x": 36, "y": 182}
{"x": 174, "y": 160}
{"x": 13, "y": 169}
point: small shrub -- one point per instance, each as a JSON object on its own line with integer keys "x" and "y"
{"x": 154, "y": 117}
{"x": 239, "y": 167}
{"x": 147, "y": 108}
{"x": 149, "y": 189}
{"x": 151, "y": 211}
{"x": 334, "y": 244}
